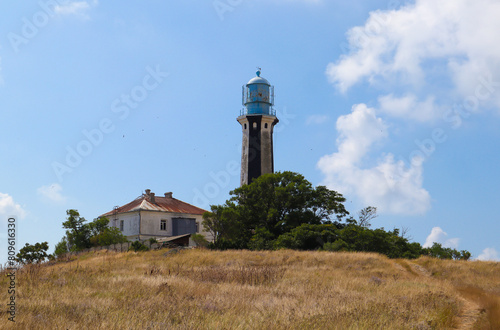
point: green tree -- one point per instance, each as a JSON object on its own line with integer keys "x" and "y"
{"x": 225, "y": 226}
{"x": 98, "y": 226}
{"x": 61, "y": 247}
{"x": 33, "y": 253}
{"x": 102, "y": 235}
{"x": 270, "y": 206}
{"x": 81, "y": 235}
{"x": 77, "y": 233}
{"x": 261, "y": 240}
{"x": 440, "y": 252}
{"x": 108, "y": 236}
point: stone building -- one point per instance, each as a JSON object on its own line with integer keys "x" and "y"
{"x": 160, "y": 217}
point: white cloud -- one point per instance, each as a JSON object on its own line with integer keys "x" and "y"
{"x": 77, "y": 8}
{"x": 489, "y": 254}
{"x": 417, "y": 52}
{"x": 316, "y": 119}
{"x": 390, "y": 185}
{"x": 409, "y": 107}
{"x": 451, "y": 40}
{"x": 438, "y": 235}
{"x": 8, "y": 207}
{"x": 52, "y": 192}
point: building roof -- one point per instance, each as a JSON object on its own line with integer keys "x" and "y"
{"x": 149, "y": 202}
{"x": 172, "y": 238}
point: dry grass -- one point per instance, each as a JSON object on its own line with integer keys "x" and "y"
{"x": 477, "y": 281}
{"x": 194, "y": 289}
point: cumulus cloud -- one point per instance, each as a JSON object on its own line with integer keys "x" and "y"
{"x": 316, "y": 119}
{"x": 453, "y": 40}
{"x": 8, "y": 207}
{"x": 418, "y": 51}
{"x": 390, "y": 185}
{"x": 438, "y": 235}
{"x": 77, "y": 8}
{"x": 52, "y": 192}
{"x": 489, "y": 254}
{"x": 409, "y": 107}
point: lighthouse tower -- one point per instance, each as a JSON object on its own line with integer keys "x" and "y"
{"x": 257, "y": 121}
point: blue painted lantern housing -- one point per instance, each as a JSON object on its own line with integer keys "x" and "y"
{"x": 258, "y": 97}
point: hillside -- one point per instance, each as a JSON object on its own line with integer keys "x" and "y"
{"x": 191, "y": 289}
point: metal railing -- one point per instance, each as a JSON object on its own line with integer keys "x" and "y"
{"x": 272, "y": 112}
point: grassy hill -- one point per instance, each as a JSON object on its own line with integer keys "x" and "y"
{"x": 191, "y": 289}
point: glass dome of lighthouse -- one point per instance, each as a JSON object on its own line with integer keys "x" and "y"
{"x": 258, "y": 97}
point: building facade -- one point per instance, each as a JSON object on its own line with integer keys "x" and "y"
{"x": 151, "y": 216}
{"x": 257, "y": 121}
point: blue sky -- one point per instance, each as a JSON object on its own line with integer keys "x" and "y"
{"x": 394, "y": 104}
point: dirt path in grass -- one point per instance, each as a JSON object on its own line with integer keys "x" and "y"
{"x": 486, "y": 303}
{"x": 475, "y": 301}
{"x": 469, "y": 314}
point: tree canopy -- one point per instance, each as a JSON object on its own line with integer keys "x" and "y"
{"x": 284, "y": 210}
{"x": 270, "y": 206}
{"x": 33, "y": 253}
{"x": 82, "y": 235}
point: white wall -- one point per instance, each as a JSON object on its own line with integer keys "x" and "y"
{"x": 149, "y": 222}
{"x": 130, "y": 222}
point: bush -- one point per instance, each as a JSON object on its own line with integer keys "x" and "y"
{"x": 261, "y": 240}
{"x": 138, "y": 246}
{"x": 200, "y": 240}
{"x": 108, "y": 236}
{"x": 338, "y": 245}
{"x": 61, "y": 248}
{"x": 308, "y": 237}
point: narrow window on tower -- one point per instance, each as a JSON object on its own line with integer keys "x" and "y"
{"x": 245, "y": 126}
{"x": 254, "y": 125}
{"x": 265, "y": 125}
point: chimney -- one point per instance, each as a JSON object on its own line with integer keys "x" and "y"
{"x": 152, "y": 198}
{"x": 168, "y": 194}
{"x": 148, "y": 191}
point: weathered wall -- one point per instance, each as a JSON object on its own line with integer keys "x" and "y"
{"x": 257, "y": 156}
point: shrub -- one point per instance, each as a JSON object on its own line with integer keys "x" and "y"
{"x": 200, "y": 240}
{"x": 308, "y": 237}
{"x": 137, "y": 246}
{"x": 338, "y": 245}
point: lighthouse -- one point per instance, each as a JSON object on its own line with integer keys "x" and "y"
{"x": 257, "y": 120}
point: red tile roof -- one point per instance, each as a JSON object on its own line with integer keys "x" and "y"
{"x": 149, "y": 202}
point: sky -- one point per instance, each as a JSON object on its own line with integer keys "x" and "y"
{"x": 394, "y": 104}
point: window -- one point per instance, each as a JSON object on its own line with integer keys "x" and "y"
{"x": 197, "y": 227}
{"x": 163, "y": 225}
{"x": 254, "y": 125}
{"x": 122, "y": 222}
{"x": 245, "y": 126}
{"x": 265, "y": 125}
